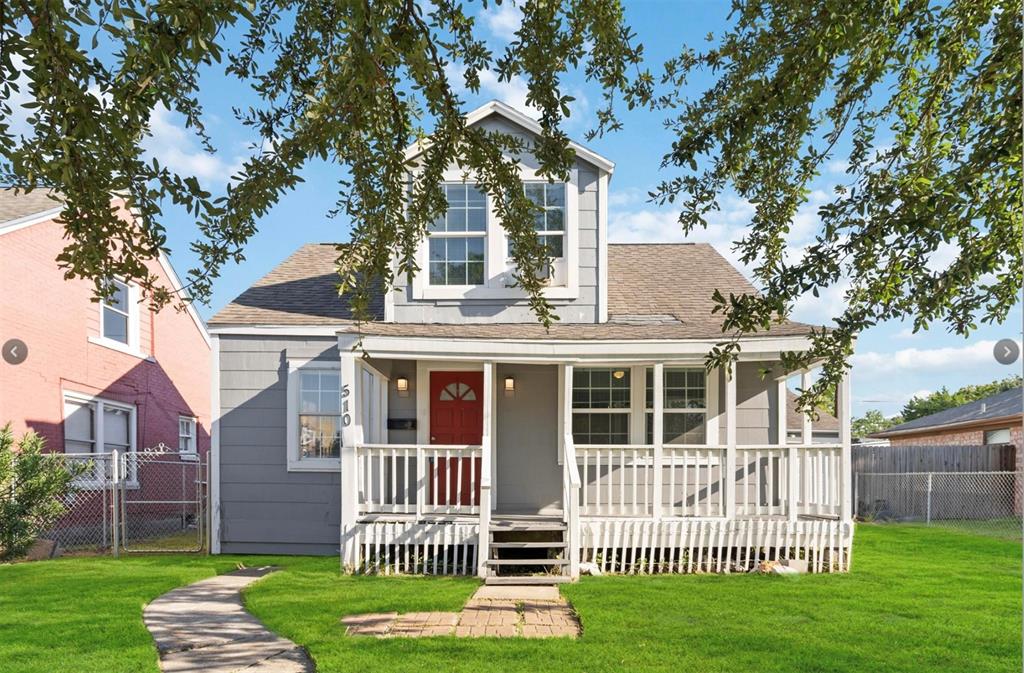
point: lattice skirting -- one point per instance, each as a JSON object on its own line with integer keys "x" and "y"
{"x": 704, "y": 546}
{"x": 416, "y": 548}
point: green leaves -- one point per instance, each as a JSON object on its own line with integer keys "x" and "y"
{"x": 928, "y": 99}
{"x": 345, "y": 82}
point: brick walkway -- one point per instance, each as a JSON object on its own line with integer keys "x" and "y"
{"x": 507, "y": 613}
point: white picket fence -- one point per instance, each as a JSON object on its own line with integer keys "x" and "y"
{"x": 631, "y": 546}
{"x": 412, "y": 548}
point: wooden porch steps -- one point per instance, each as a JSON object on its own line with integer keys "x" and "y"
{"x": 527, "y": 549}
{"x": 527, "y": 580}
{"x": 526, "y": 562}
{"x": 527, "y": 545}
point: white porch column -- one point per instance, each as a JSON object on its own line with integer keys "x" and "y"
{"x": 486, "y": 458}
{"x": 658, "y": 438}
{"x": 845, "y": 408}
{"x": 807, "y": 436}
{"x": 729, "y": 470}
{"x": 792, "y": 452}
{"x": 351, "y": 435}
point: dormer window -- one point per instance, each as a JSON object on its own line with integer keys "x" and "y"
{"x": 549, "y": 222}
{"x": 467, "y": 252}
{"x": 458, "y": 239}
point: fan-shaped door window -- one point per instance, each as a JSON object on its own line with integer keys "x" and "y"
{"x": 457, "y": 391}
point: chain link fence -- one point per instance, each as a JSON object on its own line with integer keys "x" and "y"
{"x": 145, "y": 501}
{"x": 987, "y": 503}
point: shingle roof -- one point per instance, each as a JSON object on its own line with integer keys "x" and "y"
{"x": 301, "y": 290}
{"x": 656, "y": 291}
{"x": 1000, "y": 405}
{"x": 825, "y": 422}
{"x": 16, "y": 206}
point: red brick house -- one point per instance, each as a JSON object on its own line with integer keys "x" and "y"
{"x": 97, "y": 376}
{"x": 994, "y": 420}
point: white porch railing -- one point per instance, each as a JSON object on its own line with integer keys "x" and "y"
{"x": 571, "y": 484}
{"x": 620, "y": 481}
{"x": 415, "y": 479}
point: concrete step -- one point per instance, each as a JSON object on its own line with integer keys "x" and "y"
{"x": 527, "y": 545}
{"x": 527, "y": 580}
{"x": 527, "y": 562}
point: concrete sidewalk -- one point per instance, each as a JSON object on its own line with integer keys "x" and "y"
{"x": 204, "y": 627}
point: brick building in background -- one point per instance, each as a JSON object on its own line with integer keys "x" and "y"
{"x": 98, "y": 376}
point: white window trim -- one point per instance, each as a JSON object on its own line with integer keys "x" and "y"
{"x": 192, "y": 455}
{"x": 98, "y": 440}
{"x": 627, "y": 411}
{"x": 295, "y": 462}
{"x": 665, "y": 411}
{"x": 133, "y": 346}
{"x": 496, "y": 264}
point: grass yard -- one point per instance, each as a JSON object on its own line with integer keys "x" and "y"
{"x": 918, "y": 600}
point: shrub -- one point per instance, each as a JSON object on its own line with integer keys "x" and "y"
{"x": 32, "y": 484}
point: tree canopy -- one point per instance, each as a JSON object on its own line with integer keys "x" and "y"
{"x": 871, "y": 422}
{"x": 925, "y": 95}
{"x": 944, "y": 399}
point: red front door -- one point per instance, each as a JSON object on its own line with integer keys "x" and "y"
{"x": 456, "y": 417}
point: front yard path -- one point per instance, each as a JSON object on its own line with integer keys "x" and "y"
{"x": 204, "y": 627}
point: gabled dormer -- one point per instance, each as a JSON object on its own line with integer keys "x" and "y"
{"x": 467, "y": 270}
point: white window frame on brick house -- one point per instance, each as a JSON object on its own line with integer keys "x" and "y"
{"x": 132, "y": 318}
{"x": 99, "y": 406}
{"x": 991, "y": 436}
{"x": 187, "y": 431}
{"x": 498, "y": 268}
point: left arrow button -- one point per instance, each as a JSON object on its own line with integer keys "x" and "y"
{"x": 15, "y": 351}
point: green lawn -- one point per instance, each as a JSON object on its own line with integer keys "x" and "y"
{"x": 918, "y": 600}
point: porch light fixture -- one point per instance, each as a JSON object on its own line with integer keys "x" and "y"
{"x": 510, "y": 386}
{"x": 402, "y": 386}
{"x": 618, "y": 373}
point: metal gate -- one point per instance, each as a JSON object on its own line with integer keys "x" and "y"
{"x": 161, "y": 502}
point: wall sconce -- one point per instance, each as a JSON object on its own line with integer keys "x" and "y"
{"x": 510, "y": 386}
{"x": 618, "y": 373}
{"x": 402, "y": 386}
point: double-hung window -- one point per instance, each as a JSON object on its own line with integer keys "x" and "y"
{"x": 95, "y": 427}
{"x": 187, "y": 435}
{"x": 549, "y": 219}
{"x": 684, "y": 405}
{"x": 458, "y": 239}
{"x": 116, "y": 314}
{"x": 319, "y": 414}
{"x": 600, "y": 405}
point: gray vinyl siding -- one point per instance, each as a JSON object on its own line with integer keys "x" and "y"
{"x": 266, "y": 509}
{"x": 583, "y": 309}
{"x": 756, "y": 402}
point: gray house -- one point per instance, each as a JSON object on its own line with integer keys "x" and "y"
{"x": 463, "y": 437}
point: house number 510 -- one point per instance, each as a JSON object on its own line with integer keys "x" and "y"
{"x": 346, "y": 418}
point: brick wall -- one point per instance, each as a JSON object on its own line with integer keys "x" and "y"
{"x": 55, "y": 318}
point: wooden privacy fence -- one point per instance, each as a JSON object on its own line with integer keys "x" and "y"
{"x": 937, "y": 458}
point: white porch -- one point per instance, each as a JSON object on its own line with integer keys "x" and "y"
{"x": 647, "y": 506}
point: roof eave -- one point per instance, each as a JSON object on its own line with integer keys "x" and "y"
{"x": 510, "y": 113}
{"x": 959, "y": 425}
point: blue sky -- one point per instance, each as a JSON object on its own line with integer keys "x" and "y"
{"x": 891, "y": 364}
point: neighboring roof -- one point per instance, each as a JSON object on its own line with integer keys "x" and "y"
{"x": 644, "y": 302}
{"x": 1006, "y": 404}
{"x": 301, "y": 290}
{"x": 17, "y": 207}
{"x": 825, "y": 422}
{"x": 20, "y": 210}
{"x": 496, "y": 107}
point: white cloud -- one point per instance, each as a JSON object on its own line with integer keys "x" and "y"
{"x": 18, "y": 121}
{"x": 503, "y": 20}
{"x": 513, "y": 92}
{"x": 178, "y": 150}
{"x": 907, "y": 333}
{"x": 924, "y": 360}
